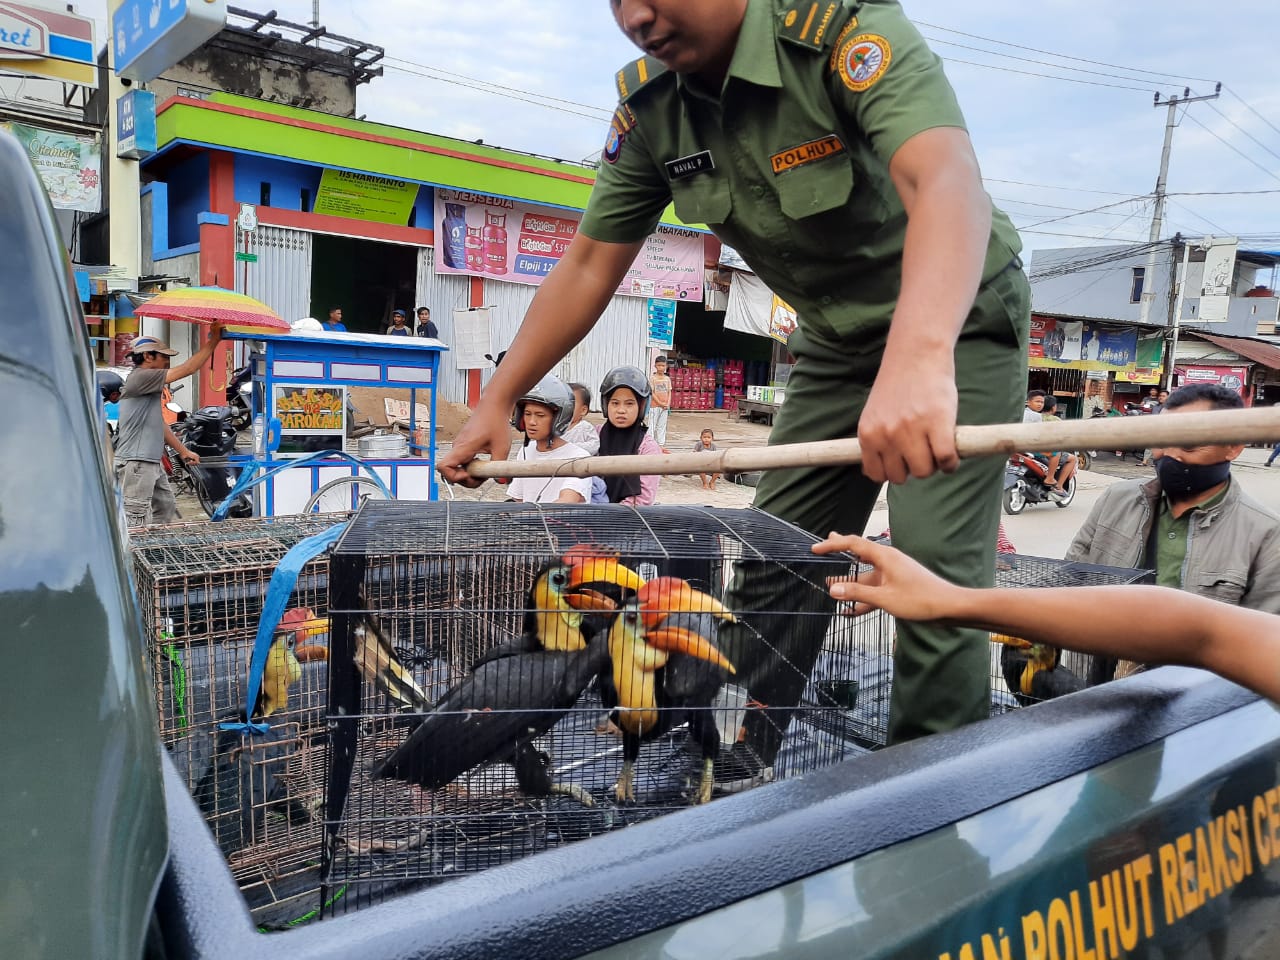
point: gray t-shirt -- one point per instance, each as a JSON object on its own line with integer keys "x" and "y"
{"x": 141, "y": 430}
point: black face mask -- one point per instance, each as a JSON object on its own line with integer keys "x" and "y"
{"x": 1188, "y": 479}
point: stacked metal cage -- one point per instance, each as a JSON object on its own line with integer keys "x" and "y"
{"x": 445, "y": 583}
{"x": 201, "y": 589}
{"x": 1015, "y": 663}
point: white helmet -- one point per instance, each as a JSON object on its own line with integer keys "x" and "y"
{"x": 550, "y": 392}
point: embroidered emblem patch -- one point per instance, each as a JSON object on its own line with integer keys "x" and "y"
{"x": 847, "y": 29}
{"x": 863, "y": 60}
{"x": 793, "y": 157}
{"x": 624, "y": 121}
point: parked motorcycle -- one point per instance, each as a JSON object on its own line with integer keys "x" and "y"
{"x": 1026, "y": 480}
{"x": 210, "y": 432}
{"x": 239, "y": 397}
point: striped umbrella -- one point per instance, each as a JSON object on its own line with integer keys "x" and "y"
{"x": 233, "y": 310}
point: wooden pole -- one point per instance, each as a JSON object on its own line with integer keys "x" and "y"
{"x": 1261, "y": 424}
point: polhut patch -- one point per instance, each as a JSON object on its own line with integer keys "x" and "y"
{"x": 690, "y": 166}
{"x": 863, "y": 60}
{"x": 793, "y": 157}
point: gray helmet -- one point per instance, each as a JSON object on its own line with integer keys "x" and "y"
{"x": 550, "y": 392}
{"x": 109, "y": 382}
{"x": 632, "y": 377}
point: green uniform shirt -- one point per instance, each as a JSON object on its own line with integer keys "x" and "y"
{"x": 1171, "y": 540}
{"x": 789, "y": 161}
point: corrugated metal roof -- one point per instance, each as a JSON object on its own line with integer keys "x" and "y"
{"x": 1258, "y": 351}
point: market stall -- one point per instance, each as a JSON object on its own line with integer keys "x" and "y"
{"x": 301, "y": 409}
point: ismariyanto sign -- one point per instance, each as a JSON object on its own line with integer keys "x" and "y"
{"x": 52, "y": 44}
{"x": 483, "y": 236}
{"x": 70, "y": 167}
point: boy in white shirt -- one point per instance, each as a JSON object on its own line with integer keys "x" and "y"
{"x": 544, "y": 414}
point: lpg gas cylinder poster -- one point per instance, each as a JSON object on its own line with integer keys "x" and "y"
{"x": 482, "y": 236}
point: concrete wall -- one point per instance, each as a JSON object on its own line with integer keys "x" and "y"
{"x": 228, "y": 64}
{"x": 1100, "y": 290}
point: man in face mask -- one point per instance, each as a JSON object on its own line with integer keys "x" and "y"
{"x": 1192, "y": 524}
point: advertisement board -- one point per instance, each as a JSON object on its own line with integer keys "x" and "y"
{"x": 1082, "y": 345}
{"x": 363, "y": 196}
{"x": 1233, "y": 378}
{"x": 311, "y": 418}
{"x": 502, "y": 239}
{"x": 70, "y": 166}
{"x": 53, "y": 44}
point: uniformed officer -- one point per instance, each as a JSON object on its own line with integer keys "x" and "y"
{"x": 824, "y": 143}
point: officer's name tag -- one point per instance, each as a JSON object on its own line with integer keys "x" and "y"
{"x": 690, "y": 166}
{"x": 794, "y": 157}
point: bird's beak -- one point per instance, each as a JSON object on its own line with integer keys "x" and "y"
{"x": 584, "y": 598}
{"x": 313, "y": 627}
{"x": 663, "y": 596}
{"x": 311, "y": 653}
{"x": 666, "y": 595}
{"x": 680, "y": 640}
{"x": 584, "y": 570}
{"x": 1016, "y": 642}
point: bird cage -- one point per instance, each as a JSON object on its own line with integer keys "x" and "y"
{"x": 1023, "y": 673}
{"x": 201, "y": 589}
{"x": 464, "y": 734}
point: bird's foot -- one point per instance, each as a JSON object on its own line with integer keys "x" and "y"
{"x": 575, "y": 791}
{"x": 625, "y": 789}
{"x": 707, "y": 782}
{"x": 607, "y": 727}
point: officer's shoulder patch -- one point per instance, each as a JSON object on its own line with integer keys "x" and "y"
{"x": 637, "y": 74}
{"x": 862, "y": 60}
{"x": 811, "y": 24}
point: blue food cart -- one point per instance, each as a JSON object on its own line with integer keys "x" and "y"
{"x": 302, "y": 415}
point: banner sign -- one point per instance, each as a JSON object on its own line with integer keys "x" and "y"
{"x": 1077, "y": 345}
{"x": 662, "y": 323}
{"x": 782, "y": 319}
{"x": 70, "y": 167}
{"x": 363, "y": 196}
{"x": 501, "y": 239}
{"x": 54, "y": 44}
{"x": 1233, "y": 378}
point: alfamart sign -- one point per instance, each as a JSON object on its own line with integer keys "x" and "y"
{"x": 47, "y": 43}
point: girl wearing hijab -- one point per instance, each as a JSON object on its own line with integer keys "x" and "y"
{"x": 624, "y": 394}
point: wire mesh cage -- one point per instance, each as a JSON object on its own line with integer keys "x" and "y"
{"x": 530, "y": 730}
{"x": 201, "y": 589}
{"x": 1023, "y": 673}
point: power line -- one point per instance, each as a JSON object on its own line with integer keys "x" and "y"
{"x": 510, "y": 96}
{"x": 1043, "y": 63}
{"x": 1047, "y": 76}
{"x": 1244, "y": 131}
{"x": 1220, "y": 229}
{"x": 1232, "y": 146}
{"x": 1105, "y": 206}
{"x": 448, "y": 76}
{"x": 1060, "y": 56}
{"x": 1051, "y": 206}
{"x": 1250, "y": 108}
{"x": 1050, "y": 186}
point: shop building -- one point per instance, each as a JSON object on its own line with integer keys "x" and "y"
{"x": 306, "y": 211}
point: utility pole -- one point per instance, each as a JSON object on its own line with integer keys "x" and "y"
{"x": 1157, "y": 216}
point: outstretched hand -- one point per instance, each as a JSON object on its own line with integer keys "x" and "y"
{"x": 484, "y": 433}
{"x": 896, "y": 584}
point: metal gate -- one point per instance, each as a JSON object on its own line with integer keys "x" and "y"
{"x": 281, "y": 276}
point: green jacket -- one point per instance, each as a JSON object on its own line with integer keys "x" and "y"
{"x": 789, "y": 161}
{"x": 1233, "y": 547}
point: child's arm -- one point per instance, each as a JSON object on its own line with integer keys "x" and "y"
{"x": 1176, "y": 627}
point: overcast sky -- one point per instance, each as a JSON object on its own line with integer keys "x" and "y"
{"x": 1069, "y": 137}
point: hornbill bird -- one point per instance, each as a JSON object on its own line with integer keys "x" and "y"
{"x": 283, "y": 669}
{"x": 658, "y": 674}
{"x": 519, "y": 690}
{"x": 378, "y": 664}
{"x": 1032, "y": 671}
